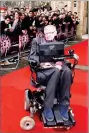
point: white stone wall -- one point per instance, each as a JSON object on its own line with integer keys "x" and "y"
{"x": 60, "y": 4}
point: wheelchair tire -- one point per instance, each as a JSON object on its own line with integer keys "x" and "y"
{"x": 26, "y": 102}
{"x": 27, "y": 123}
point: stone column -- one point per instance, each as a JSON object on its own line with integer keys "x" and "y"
{"x": 85, "y": 18}
{"x": 53, "y": 5}
{"x": 69, "y": 3}
{"x": 60, "y": 4}
{"x": 81, "y": 13}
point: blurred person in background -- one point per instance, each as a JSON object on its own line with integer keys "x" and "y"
{"x": 22, "y": 10}
{"x": 66, "y": 9}
{"x": 62, "y": 11}
{"x": 5, "y": 25}
{"x": 2, "y": 13}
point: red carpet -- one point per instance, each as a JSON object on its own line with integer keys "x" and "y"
{"x": 81, "y": 49}
{"x": 13, "y": 86}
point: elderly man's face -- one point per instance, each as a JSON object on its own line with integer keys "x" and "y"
{"x": 50, "y": 32}
{"x": 50, "y": 36}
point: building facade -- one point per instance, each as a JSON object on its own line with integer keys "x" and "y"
{"x": 81, "y": 7}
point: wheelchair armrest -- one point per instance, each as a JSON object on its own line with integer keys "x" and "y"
{"x": 33, "y": 64}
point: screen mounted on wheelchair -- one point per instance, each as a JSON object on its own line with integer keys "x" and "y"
{"x": 49, "y": 50}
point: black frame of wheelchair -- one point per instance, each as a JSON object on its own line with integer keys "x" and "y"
{"x": 34, "y": 99}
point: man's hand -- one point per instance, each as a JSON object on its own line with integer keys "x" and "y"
{"x": 58, "y": 66}
{"x": 6, "y": 29}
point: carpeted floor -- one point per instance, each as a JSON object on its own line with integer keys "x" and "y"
{"x": 12, "y": 100}
{"x": 13, "y": 86}
{"x": 81, "y": 49}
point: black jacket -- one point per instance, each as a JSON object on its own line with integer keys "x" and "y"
{"x": 3, "y": 27}
{"x": 34, "y": 52}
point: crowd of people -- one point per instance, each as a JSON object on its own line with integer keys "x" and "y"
{"x": 19, "y": 21}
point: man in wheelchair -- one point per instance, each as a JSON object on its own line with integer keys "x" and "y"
{"x": 57, "y": 77}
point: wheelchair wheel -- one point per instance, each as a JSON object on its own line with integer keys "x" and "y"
{"x": 27, "y": 123}
{"x": 26, "y": 102}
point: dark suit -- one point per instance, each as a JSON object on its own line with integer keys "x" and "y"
{"x": 53, "y": 78}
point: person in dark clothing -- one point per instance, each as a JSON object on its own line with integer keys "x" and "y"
{"x": 50, "y": 20}
{"x": 55, "y": 21}
{"x": 23, "y": 22}
{"x": 38, "y": 23}
{"x": 5, "y": 25}
{"x": 30, "y": 18}
{"x": 27, "y": 22}
{"x": 52, "y": 76}
{"x": 68, "y": 20}
{"x": 15, "y": 29}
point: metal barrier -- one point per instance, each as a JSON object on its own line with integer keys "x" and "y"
{"x": 66, "y": 34}
{"x": 10, "y": 50}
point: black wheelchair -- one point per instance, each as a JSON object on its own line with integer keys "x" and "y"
{"x": 34, "y": 99}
